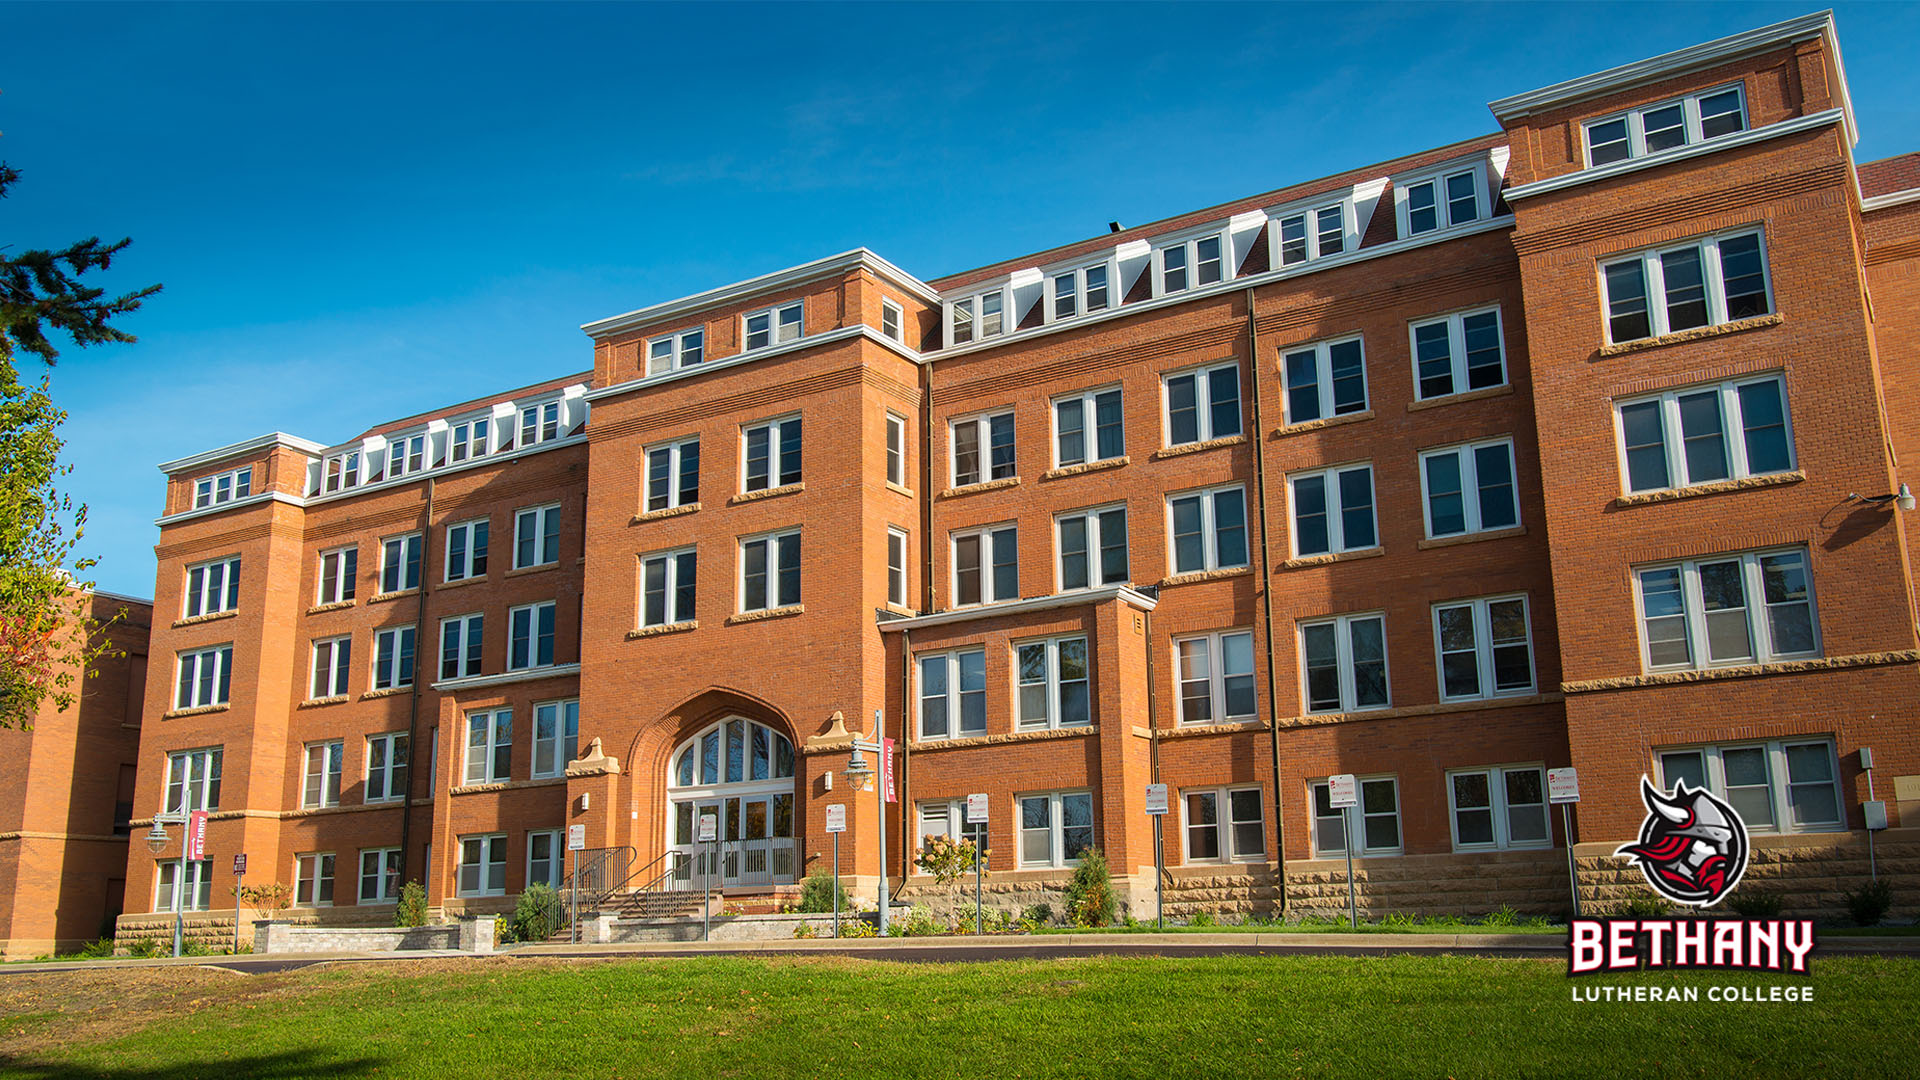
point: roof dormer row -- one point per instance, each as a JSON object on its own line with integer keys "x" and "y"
{"x": 500, "y": 428}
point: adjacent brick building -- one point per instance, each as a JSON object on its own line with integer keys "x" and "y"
{"x": 1574, "y": 444}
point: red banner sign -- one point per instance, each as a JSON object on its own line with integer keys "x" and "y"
{"x": 886, "y": 770}
{"x": 196, "y": 836}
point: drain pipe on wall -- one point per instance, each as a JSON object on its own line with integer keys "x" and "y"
{"x": 1266, "y": 598}
{"x": 413, "y": 708}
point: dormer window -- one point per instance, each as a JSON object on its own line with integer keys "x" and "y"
{"x": 891, "y": 317}
{"x": 1447, "y": 199}
{"x": 406, "y": 455}
{"x": 774, "y": 326}
{"x": 539, "y": 423}
{"x": 980, "y": 317}
{"x": 1190, "y": 265}
{"x": 225, "y": 487}
{"x": 676, "y": 351}
{"x": 343, "y": 471}
{"x": 1314, "y": 234}
{"x": 1080, "y": 292}
{"x": 1666, "y": 126}
{"x": 467, "y": 439}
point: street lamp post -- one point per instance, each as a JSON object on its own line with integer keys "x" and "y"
{"x": 157, "y": 842}
{"x": 858, "y": 771}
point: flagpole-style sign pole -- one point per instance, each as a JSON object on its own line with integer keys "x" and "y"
{"x": 1343, "y": 794}
{"x": 1563, "y": 787}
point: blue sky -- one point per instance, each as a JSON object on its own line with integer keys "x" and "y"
{"x": 365, "y": 211}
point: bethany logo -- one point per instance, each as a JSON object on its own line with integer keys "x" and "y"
{"x": 1692, "y": 848}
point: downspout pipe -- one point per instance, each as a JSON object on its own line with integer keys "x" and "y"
{"x": 1266, "y": 595}
{"x": 413, "y": 708}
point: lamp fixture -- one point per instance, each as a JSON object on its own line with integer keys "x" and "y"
{"x": 1902, "y": 498}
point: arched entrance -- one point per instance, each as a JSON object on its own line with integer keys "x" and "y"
{"x": 741, "y": 772}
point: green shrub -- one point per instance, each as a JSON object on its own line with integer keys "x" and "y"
{"x": 412, "y": 909}
{"x": 94, "y": 950}
{"x": 857, "y": 927}
{"x": 816, "y": 895}
{"x": 1200, "y": 918}
{"x": 144, "y": 947}
{"x": 1756, "y": 905}
{"x": 1040, "y": 914}
{"x": 1505, "y": 916}
{"x": 915, "y": 921}
{"x": 538, "y": 914}
{"x": 1641, "y": 907}
{"x": 1869, "y": 903}
{"x": 805, "y": 930}
{"x": 1090, "y": 899}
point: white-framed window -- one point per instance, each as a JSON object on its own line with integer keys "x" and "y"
{"x": 732, "y": 752}
{"x": 342, "y": 471}
{"x": 1325, "y": 379}
{"x": 469, "y": 439}
{"x": 332, "y": 663}
{"x": 1053, "y": 687}
{"x": 1333, "y": 510}
{"x": 1483, "y": 647}
{"x": 671, "y": 352}
{"x": 386, "y": 767}
{"x": 1081, "y": 291}
{"x": 948, "y": 817}
{"x": 223, "y": 487}
{"x": 467, "y": 549}
{"x": 1379, "y": 813}
{"x": 770, "y": 571}
{"x": 406, "y": 455}
{"x": 1207, "y": 530}
{"x": 546, "y": 858}
{"x": 1503, "y": 807}
{"x": 1459, "y": 352}
{"x": 896, "y": 449}
{"x": 204, "y": 677}
{"x": 489, "y": 747}
{"x": 1312, "y": 234}
{"x": 773, "y": 326}
{"x": 1092, "y": 547}
{"x": 1088, "y": 426}
{"x": 1055, "y": 827}
{"x": 1343, "y": 663}
{"x": 460, "y": 639}
{"x": 194, "y": 892}
{"x": 1223, "y": 825}
{"x": 213, "y": 586}
{"x": 770, "y": 454}
{"x": 897, "y": 567}
{"x": 536, "y": 536}
{"x": 339, "y": 573}
{"x": 1193, "y": 263}
{"x": 673, "y": 474}
{"x": 986, "y": 565}
{"x": 1453, "y": 196}
{"x": 539, "y": 423}
{"x": 393, "y": 658}
{"x": 1780, "y": 786}
{"x": 1213, "y": 674}
{"x": 1469, "y": 488}
{"x": 983, "y": 448}
{"x": 483, "y": 865}
{"x": 1749, "y": 607}
{"x": 953, "y": 693}
{"x": 977, "y": 317}
{"x": 1202, "y": 404}
{"x": 1666, "y": 126}
{"x": 193, "y": 780}
{"x": 530, "y": 636}
{"x": 668, "y": 583}
{"x": 556, "y": 736}
{"x": 400, "y": 563}
{"x": 380, "y": 871}
{"x": 1703, "y": 282}
{"x": 1701, "y": 434}
{"x": 323, "y": 761}
{"x": 892, "y": 320}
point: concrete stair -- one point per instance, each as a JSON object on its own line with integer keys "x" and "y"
{"x": 671, "y": 904}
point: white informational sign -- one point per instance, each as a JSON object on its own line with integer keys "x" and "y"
{"x": 709, "y": 828}
{"x": 1563, "y": 786}
{"x": 576, "y": 838}
{"x": 1343, "y": 791}
{"x": 977, "y": 808}
{"x": 837, "y": 817}
{"x": 1156, "y": 798}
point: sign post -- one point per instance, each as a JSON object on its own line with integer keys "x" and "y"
{"x": 1157, "y": 809}
{"x": 193, "y": 849}
{"x": 837, "y": 824}
{"x": 1563, "y": 787}
{"x": 1343, "y": 794}
{"x": 239, "y": 877}
{"x": 977, "y": 815}
{"x": 709, "y": 834}
{"x": 576, "y": 842}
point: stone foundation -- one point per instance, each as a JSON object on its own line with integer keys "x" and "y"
{"x": 1476, "y": 883}
{"x": 1010, "y": 892}
{"x": 281, "y": 937}
{"x": 1811, "y": 873}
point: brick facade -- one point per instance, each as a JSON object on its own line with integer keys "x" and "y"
{"x": 1837, "y": 327}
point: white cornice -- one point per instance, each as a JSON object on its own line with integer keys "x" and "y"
{"x": 235, "y": 504}
{"x": 1022, "y": 607}
{"x": 765, "y": 283}
{"x": 208, "y": 457}
{"x": 1680, "y": 61}
{"x": 1891, "y": 198}
{"x": 480, "y": 682}
{"x": 1668, "y": 157}
{"x": 845, "y": 333}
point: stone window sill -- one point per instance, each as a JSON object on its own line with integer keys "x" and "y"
{"x": 471, "y": 579}
{"x": 1199, "y": 447}
{"x": 661, "y": 631}
{"x": 1473, "y": 538}
{"x": 1086, "y": 467}
{"x": 197, "y": 710}
{"x": 1481, "y": 394}
{"x": 898, "y": 489}
{"x": 382, "y": 598}
{"x": 390, "y": 691}
{"x": 1718, "y": 487}
{"x": 984, "y": 485}
{"x": 767, "y": 493}
{"x": 1698, "y": 333}
{"x": 1321, "y": 424}
{"x": 315, "y": 703}
{"x": 526, "y": 570}
{"x": 769, "y": 613}
{"x": 664, "y": 512}
{"x": 1195, "y": 576}
{"x": 211, "y": 616}
{"x": 337, "y": 605}
{"x": 1332, "y": 557}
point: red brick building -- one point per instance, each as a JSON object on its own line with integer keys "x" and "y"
{"x": 1573, "y": 444}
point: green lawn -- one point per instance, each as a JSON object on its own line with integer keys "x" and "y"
{"x": 1233, "y": 1016}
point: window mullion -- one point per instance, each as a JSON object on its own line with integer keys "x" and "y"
{"x": 1750, "y": 580}
{"x": 1470, "y": 488}
{"x": 1343, "y": 655}
{"x": 1673, "y": 440}
{"x": 1456, "y": 334}
{"x": 1696, "y": 613}
{"x": 1716, "y": 283}
{"x": 1656, "y": 291}
{"x": 1734, "y": 423}
{"x": 1483, "y": 645}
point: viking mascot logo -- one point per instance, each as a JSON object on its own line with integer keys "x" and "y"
{"x": 1692, "y": 848}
